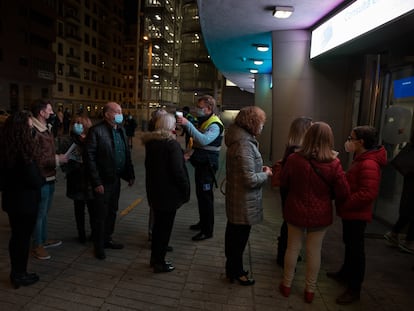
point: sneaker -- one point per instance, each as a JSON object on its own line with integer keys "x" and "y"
{"x": 40, "y": 253}
{"x": 52, "y": 243}
{"x": 392, "y": 239}
{"x": 407, "y": 247}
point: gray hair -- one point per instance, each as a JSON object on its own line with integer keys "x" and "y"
{"x": 165, "y": 122}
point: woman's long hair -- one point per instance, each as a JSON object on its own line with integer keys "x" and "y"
{"x": 318, "y": 143}
{"x": 297, "y": 130}
{"x": 16, "y": 140}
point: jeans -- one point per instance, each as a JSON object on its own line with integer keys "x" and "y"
{"x": 40, "y": 230}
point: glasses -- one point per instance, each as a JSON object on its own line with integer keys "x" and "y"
{"x": 350, "y": 138}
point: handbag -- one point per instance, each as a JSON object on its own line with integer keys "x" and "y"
{"x": 276, "y": 169}
{"x": 403, "y": 162}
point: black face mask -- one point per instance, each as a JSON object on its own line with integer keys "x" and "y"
{"x": 51, "y": 119}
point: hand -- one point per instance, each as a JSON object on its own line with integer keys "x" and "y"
{"x": 182, "y": 121}
{"x": 100, "y": 189}
{"x": 267, "y": 170}
{"x": 62, "y": 158}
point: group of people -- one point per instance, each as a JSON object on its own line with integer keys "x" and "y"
{"x": 98, "y": 159}
{"x": 313, "y": 183}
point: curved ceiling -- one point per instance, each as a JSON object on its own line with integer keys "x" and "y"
{"x": 231, "y": 28}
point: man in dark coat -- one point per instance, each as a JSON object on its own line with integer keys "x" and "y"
{"x": 108, "y": 159}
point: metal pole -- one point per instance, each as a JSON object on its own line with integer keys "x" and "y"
{"x": 149, "y": 80}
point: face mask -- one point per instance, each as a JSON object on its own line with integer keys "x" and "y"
{"x": 78, "y": 128}
{"x": 261, "y": 128}
{"x": 349, "y": 146}
{"x": 119, "y": 118}
{"x": 200, "y": 112}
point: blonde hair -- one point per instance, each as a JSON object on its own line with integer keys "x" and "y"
{"x": 318, "y": 143}
{"x": 165, "y": 122}
{"x": 297, "y": 130}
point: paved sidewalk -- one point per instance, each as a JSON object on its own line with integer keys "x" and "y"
{"x": 74, "y": 280}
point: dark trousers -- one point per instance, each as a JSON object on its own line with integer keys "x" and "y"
{"x": 400, "y": 225}
{"x": 204, "y": 180}
{"x": 105, "y": 207}
{"x": 235, "y": 241}
{"x": 22, "y": 226}
{"x": 79, "y": 206}
{"x": 353, "y": 269}
{"x": 161, "y": 233}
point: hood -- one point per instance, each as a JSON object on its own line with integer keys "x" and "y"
{"x": 157, "y": 135}
{"x": 235, "y": 134}
{"x": 377, "y": 154}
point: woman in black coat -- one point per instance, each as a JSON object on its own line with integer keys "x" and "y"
{"x": 167, "y": 185}
{"x": 20, "y": 192}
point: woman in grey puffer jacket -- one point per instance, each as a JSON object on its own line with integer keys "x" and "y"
{"x": 245, "y": 176}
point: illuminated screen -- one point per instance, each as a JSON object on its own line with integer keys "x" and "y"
{"x": 355, "y": 20}
{"x": 404, "y": 87}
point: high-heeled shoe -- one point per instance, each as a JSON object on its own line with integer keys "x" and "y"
{"x": 243, "y": 280}
{"x": 23, "y": 279}
{"x": 309, "y": 296}
{"x": 284, "y": 290}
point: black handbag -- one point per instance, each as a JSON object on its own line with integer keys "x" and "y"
{"x": 403, "y": 162}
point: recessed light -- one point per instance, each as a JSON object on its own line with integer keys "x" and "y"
{"x": 283, "y": 11}
{"x": 253, "y": 70}
{"x": 258, "y": 62}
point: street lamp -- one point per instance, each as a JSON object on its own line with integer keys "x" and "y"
{"x": 147, "y": 38}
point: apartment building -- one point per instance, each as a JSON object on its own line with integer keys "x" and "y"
{"x": 88, "y": 49}
{"x": 27, "y": 60}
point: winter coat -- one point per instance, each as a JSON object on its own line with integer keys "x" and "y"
{"x": 244, "y": 177}
{"x": 130, "y": 126}
{"x": 364, "y": 179}
{"x": 21, "y": 192}
{"x": 77, "y": 185}
{"x": 309, "y": 202}
{"x": 100, "y": 155}
{"x": 47, "y": 155}
{"x": 166, "y": 177}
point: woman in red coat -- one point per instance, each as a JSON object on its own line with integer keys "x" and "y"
{"x": 311, "y": 177}
{"x": 364, "y": 178}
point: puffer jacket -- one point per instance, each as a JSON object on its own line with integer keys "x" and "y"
{"x": 166, "y": 177}
{"x": 309, "y": 202}
{"x": 364, "y": 179}
{"x": 100, "y": 155}
{"x": 244, "y": 177}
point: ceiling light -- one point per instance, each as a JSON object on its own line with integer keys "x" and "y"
{"x": 258, "y": 62}
{"x": 262, "y": 47}
{"x": 252, "y": 70}
{"x": 283, "y": 11}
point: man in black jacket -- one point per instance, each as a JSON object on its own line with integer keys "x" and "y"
{"x": 108, "y": 159}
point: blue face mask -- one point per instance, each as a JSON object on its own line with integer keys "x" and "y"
{"x": 200, "y": 112}
{"x": 78, "y": 128}
{"x": 119, "y": 118}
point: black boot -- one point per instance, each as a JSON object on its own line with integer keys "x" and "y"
{"x": 23, "y": 279}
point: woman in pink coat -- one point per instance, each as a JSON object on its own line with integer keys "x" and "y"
{"x": 311, "y": 176}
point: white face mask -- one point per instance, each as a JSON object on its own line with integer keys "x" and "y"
{"x": 349, "y": 146}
